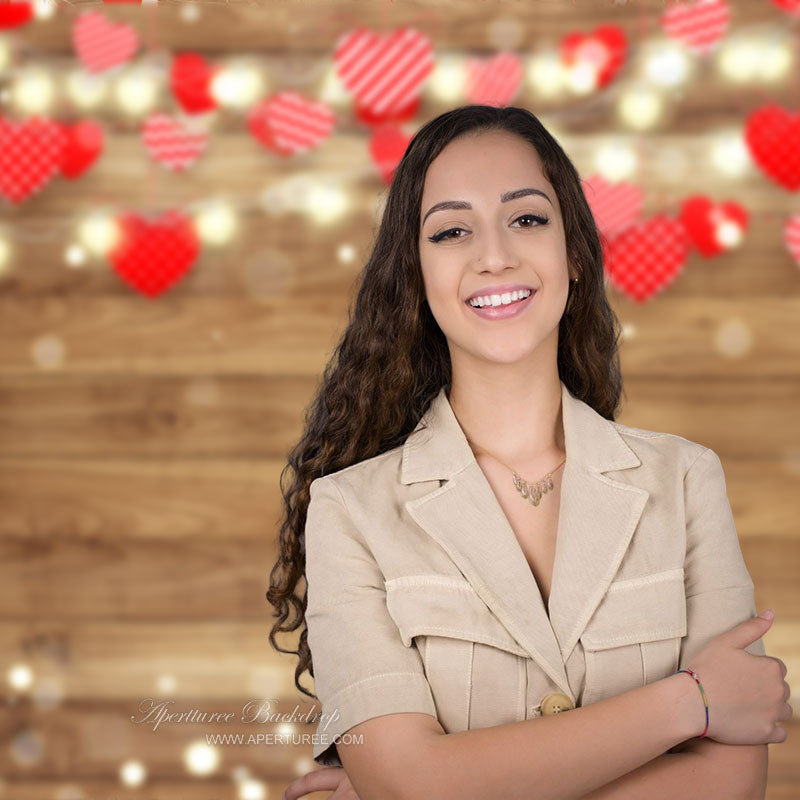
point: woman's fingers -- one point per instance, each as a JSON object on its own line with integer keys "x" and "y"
{"x": 319, "y": 780}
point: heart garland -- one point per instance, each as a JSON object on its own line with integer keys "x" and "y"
{"x": 493, "y": 81}
{"x": 30, "y": 155}
{"x": 170, "y": 142}
{"x": 603, "y": 50}
{"x": 699, "y": 25}
{"x": 384, "y": 73}
{"x": 288, "y": 123}
{"x": 645, "y": 258}
{"x": 772, "y": 135}
{"x": 153, "y": 255}
{"x": 713, "y": 228}
{"x": 101, "y": 44}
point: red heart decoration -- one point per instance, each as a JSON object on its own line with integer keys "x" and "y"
{"x": 190, "y": 77}
{"x": 30, "y": 155}
{"x": 83, "y": 143}
{"x": 614, "y": 206}
{"x": 792, "y": 6}
{"x": 288, "y": 124}
{"x": 493, "y": 81}
{"x": 791, "y": 236}
{"x": 151, "y": 256}
{"x": 699, "y": 25}
{"x": 387, "y": 146}
{"x": 604, "y": 50}
{"x": 383, "y": 72}
{"x": 773, "y": 138}
{"x": 171, "y": 143}
{"x": 646, "y": 257}
{"x": 13, "y": 15}
{"x": 372, "y": 119}
{"x": 102, "y": 44}
{"x": 704, "y": 221}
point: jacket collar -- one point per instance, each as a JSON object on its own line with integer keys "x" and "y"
{"x": 597, "y": 517}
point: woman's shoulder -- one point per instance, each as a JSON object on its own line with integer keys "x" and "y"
{"x": 659, "y": 446}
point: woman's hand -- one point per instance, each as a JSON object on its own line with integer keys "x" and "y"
{"x": 320, "y": 780}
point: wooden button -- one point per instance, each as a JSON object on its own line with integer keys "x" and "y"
{"x": 556, "y": 703}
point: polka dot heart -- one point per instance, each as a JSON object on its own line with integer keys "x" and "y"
{"x": 772, "y": 135}
{"x": 647, "y": 257}
{"x": 30, "y": 155}
{"x": 151, "y": 256}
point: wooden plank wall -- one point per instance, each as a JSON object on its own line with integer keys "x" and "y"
{"x": 139, "y": 470}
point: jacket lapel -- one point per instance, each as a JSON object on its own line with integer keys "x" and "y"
{"x": 597, "y": 517}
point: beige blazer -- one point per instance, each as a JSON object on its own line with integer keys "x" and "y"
{"x": 420, "y": 597}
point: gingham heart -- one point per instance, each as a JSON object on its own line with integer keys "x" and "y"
{"x": 614, "y": 206}
{"x": 153, "y": 255}
{"x": 288, "y": 123}
{"x": 772, "y": 135}
{"x": 603, "y": 51}
{"x": 791, "y": 236}
{"x": 493, "y": 81}
{"x": 383, "y": 72}
{"x": 646, "y": 257}
{"x": 171, "y": 143}
{"x": 699, "y": 25}
{"x": 705, "y": 221}
{"x": 102, "y": 44}
{"x": 30, "y": 155}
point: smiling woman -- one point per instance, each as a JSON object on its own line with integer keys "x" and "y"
{"x": 454, "y": 609}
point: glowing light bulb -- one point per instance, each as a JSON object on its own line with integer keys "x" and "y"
{"x": 667, "y": 64}
{"x": 216, "y": 222}
{"x": 86, "y": 89}
{"x": 33, "y": 90}
{"x": 20, "y": 677}
{"x": 640, "y": 107}
{"x": 615, "y": 161}
{"x": 132, "y": 773}
{"x": 446, "y": 82}
{"x": 136, "y": 91}
{"x": 98, "y": 233}
{"x": 200, "y": 758}
{"x": 239, "y": 84}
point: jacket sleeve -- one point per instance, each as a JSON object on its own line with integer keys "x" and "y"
{"x": 362, "y": 669}
{"x": 719, "y": 590}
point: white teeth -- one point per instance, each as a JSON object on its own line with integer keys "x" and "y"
{"x": 499, "y": 299}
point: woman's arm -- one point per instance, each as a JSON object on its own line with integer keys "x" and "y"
{"x": 703, "y": 769}
{"x": 555, "y": 757}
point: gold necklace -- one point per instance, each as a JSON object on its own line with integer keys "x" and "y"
{"x": 531, "y": 491}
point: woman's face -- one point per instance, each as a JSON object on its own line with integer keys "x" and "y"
{"x": 492, "y": 245}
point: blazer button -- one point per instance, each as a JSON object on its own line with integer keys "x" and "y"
{"x": 556, "y": 703}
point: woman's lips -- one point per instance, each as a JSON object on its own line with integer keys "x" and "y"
{"x": 503, "y": 312}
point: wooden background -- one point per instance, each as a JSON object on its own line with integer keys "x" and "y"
{"x": 139, "y": 469}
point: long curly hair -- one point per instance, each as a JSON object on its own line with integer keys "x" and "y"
{"x": 393, "y": 358}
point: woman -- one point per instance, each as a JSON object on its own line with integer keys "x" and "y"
{"x": 482, "y": 543}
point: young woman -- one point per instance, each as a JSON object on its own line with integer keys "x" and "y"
{"x": 484, "y": 547}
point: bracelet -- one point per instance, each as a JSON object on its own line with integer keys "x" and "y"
{"x": 694, "y": 675}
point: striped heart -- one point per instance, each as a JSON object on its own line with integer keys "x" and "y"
{"x": 699, "y": 25}
{"x": 791, "y": 236}
{"x": 288, "y": 124}
{"x": 493, "y": 81}
{"x": 383, "y": 72}
{"x": 100, "y": 44}
{"x": 614, "y": 206}
{"x": 170, "y": 142}
{"x": 646, "y": 257}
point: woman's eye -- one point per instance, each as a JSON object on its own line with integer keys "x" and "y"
{"x": 541, "y": 220}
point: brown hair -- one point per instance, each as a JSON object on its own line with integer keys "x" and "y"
{"x": 392, "y": 358}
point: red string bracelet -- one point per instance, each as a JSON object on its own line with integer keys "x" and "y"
{"x": 691, "y": 673}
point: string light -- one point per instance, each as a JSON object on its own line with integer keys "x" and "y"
{"x": 33, "y": 90}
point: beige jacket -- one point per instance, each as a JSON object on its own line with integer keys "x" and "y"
{"x": 421, "y": 599}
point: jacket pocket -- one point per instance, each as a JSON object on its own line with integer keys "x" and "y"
{"x": 475, "y": 668}
{"x": 634, "y": 636}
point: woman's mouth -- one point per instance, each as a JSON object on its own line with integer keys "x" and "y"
{"x": 503, "y": 310}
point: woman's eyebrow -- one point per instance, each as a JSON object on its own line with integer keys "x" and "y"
{"x": 460, "y": 205}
